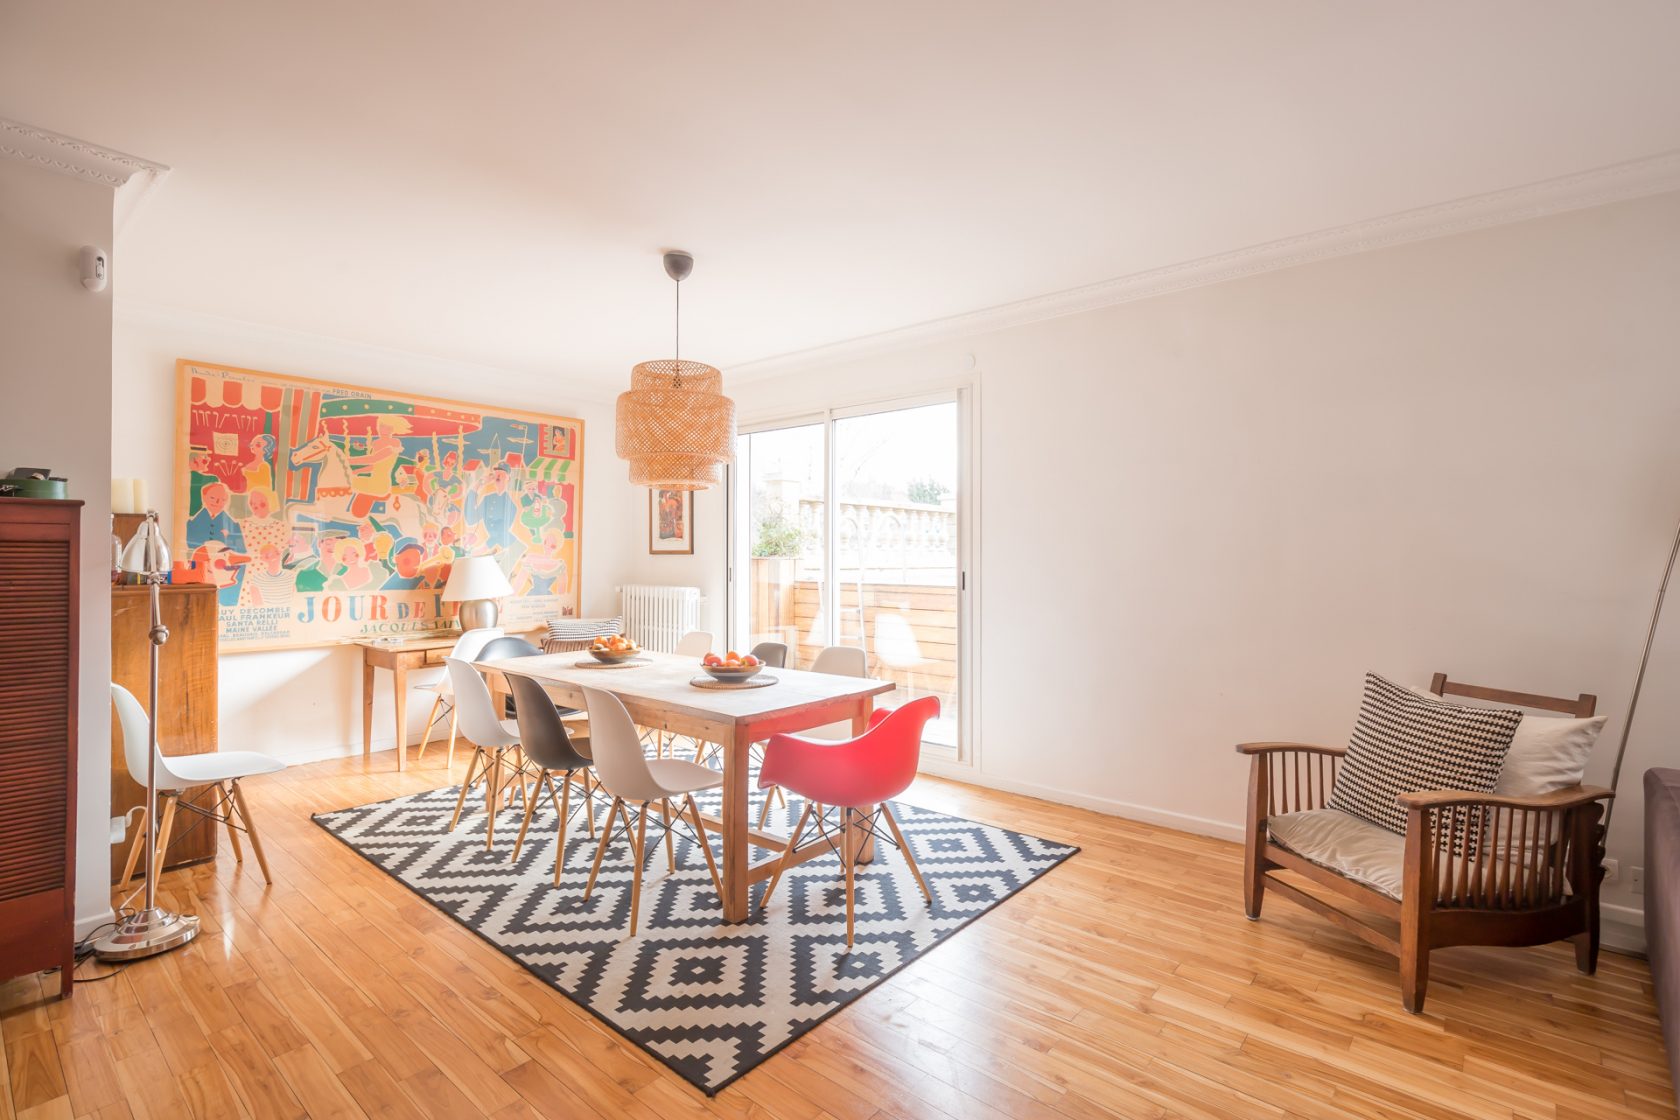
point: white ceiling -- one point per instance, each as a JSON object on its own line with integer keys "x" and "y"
{"x": 493, "y": 182}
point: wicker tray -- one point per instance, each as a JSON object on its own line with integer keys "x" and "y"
{"x": 759, "y": 681}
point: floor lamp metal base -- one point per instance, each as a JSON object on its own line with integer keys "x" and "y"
{"x": 146, "y": 934}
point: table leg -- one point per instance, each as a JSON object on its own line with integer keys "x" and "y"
{"x": 367, "y": 708}
{"x": 735, "y": 814}
{"x": 399, "y": 689}
{"x": 859, "y": 840}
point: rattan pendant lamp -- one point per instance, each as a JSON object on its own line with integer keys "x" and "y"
{"x": 675, "y": 427}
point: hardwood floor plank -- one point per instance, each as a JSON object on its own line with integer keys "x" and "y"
{"x": 1126, "y": 983}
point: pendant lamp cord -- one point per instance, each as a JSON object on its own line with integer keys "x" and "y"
{"x": 676, "y": 378}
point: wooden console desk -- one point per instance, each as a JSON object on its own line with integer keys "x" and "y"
{"x": 400, "y": 658}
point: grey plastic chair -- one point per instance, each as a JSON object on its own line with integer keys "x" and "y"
{"x": 492, "y": 739}
{"x": 507, "y": 648}
{"x": 773, "y": 654}
{"x": 636, "y": 782}
{"x": 549, "y": 750}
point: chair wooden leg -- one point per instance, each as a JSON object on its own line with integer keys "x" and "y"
{"x": 670, "y": 843}
{"x": 232, "y": 830}
{"x": 764, "y": 811}
{"x": 565, "y": 811}
{"x": 250, "y": 830}
{"x": 449, "y": 755}
{"x": 166, "y": 825}
{"x": 601, "y": 849}
{"x": 492, "y": 799}
{"x": 705, "y": 846}
{"x": 524, "y": 827}
{"x": 1254, "y": 842}
{"x": 466, "y": 784}
{"x": 137, "y": 846}
{"x": 787, "y": 856}
{"x": 638, "y": 852}
{"x": 1416, "y": 896}
{"x": 848, "y": 856}
{"x": 431, "y": 717}
{"x": 909, "y": 858}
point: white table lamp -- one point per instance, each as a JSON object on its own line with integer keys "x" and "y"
{"x": 476, "y": 582}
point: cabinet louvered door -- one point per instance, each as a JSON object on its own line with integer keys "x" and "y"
{"x": 38, "y": 651}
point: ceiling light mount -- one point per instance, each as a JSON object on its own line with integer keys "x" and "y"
{"x": 678, "y": 265}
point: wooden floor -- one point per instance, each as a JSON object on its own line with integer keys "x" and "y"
{"x": 1125, "y": 983}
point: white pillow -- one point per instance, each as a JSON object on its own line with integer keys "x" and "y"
{"x": 1547, "y": 753}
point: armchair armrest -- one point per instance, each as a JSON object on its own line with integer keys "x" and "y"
{"x": 1558, "y": 799}
{"x": 1268, "y": 748}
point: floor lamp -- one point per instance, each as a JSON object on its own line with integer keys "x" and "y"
{"x": 151, "y": 929}
{"x": 1639, "y": 680}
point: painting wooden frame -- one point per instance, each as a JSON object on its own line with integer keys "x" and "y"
{"x": 670, "y": 522}
{"x": 334, "y": 511}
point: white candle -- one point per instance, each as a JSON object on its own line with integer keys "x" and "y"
{"x": 140, "y": 504}
{"x": 122, "y": 495}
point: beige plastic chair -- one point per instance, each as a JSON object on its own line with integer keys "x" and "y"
{"x": 695, "y": 643}
{"x": 178, "y": 774}
{"x": 467, "y": 648}
{"x": 636, "y": 783}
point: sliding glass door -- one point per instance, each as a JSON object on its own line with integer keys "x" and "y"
{"x": 849, "y": 529}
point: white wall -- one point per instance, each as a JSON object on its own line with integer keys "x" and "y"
{"x": 55, "y": 366}
{"x": 1228, "y": 503}
{"x": 306, "y": 704}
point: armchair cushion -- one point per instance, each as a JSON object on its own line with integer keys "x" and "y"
{"x": 1547, "y": 753}
{"x": 1346, "y": 845}
{"x": 1403, "y": 743}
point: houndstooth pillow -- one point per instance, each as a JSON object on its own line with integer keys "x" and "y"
{"x": 568, "y": 634}
{"x": 1405, "y": 743}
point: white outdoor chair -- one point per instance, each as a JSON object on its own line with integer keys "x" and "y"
{"x": 179, "y": 774}
{"x": 466, "y": 647}
{"x": 637, "y": 782}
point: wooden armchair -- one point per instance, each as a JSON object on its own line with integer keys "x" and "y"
{"x": 1529, "y": 876}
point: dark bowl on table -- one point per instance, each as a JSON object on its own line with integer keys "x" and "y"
{"x": 614, "y": 656}
{"x": 732, "y": 674}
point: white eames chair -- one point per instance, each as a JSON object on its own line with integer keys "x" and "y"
{"x": 178, "y": 774}
{"x": 466, "y": 648}
{"x": 493, "y": 740}
{"x": 636, "y": 783}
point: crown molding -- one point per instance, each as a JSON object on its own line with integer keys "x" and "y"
{"x": 1597, "y": 187}
{"x": 130, "y": 177}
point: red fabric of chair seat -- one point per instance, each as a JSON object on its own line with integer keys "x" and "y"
{"x": 852, "y": 773}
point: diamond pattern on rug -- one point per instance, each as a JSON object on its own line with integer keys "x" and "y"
{"x": 708, "y": 999}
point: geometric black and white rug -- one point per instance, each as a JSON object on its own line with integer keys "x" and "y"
{"x": 708, "y": 999}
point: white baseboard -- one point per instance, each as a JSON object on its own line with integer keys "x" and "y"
{"x": 87, "y": 925}
{"x": 1622, "y": 929}
{"x": 1184, "y": 822}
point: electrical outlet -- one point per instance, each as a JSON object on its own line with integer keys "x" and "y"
{"x": 1612, "y": 869}
{"x": 119, "y": 829}
{"x": 1636, "y": 880}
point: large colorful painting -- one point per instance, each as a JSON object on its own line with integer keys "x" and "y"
{"x": 326, "y": 513}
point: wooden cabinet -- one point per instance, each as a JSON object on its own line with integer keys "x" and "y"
{"x": 187, "y": 691}
{"x": 38, "y": 671}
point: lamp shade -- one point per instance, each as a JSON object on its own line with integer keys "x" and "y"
{"x": 675, "y": 427}
{"x": 475, "y": 577}
{"x": 146, "y": 554}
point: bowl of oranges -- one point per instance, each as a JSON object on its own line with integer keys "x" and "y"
{"x": 731, "y": 666}
{"x": 614, "y": 649}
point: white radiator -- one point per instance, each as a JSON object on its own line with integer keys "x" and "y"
{"x": 657, "y": 617}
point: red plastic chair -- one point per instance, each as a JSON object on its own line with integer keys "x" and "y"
{"x": 858, "y": 777}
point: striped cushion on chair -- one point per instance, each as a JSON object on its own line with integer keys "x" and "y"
{"x": 566, "y": 635}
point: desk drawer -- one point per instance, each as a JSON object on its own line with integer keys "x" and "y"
{"x": 437, "y": 656}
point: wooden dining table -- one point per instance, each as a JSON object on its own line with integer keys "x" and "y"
{"x": 657, "y": 692}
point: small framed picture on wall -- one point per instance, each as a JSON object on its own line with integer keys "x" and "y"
{"x": 670, "y": 521}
